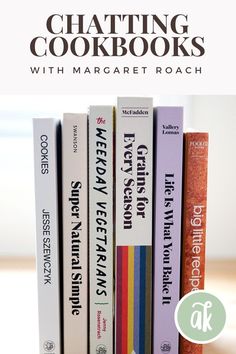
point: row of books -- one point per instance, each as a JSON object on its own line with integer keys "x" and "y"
{"x": 117, "y": 245}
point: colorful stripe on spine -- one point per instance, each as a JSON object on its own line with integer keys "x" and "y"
{"x": 130, "y": 299}
{"x": 136, "y": 299}
{"x": 133, "y": 312}
{"x": 119, "y": 298}
{"x": 148, "y": 303}
{"x": 124, "y": 292}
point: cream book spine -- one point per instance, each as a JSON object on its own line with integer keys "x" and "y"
{"x": 75, "y": 233}
{"x": 101, "y": 228}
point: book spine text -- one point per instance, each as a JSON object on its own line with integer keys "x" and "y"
{"x": 167, "y": 239}
{"x": 134, "y": 143}
{"x": 46, "y": 134}
{"x": 101, "y": 228}
{"x": 194, "y": 221}
{"x": 75, "y": 233}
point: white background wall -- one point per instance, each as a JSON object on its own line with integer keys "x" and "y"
{"x": 215, "y": 114}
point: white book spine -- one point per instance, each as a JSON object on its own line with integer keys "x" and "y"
{"x": 134, "y": 194}
{"x": 75, "y": 233}
{"x": 101, "y": 228}
{"x": 47, "y": 233}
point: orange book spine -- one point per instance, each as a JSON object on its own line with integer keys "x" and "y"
{"x": 194, "y": 221}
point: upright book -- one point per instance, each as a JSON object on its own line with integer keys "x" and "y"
{"x": 134, "y": 150}
{"x": 75, "y": 233}
{"x": 47, "y": 195}
{"x": 101, "y": 125}
{"x": 194, "y": 221}
{"x": 167, "y": 215}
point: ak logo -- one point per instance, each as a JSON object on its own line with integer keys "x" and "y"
{"x": 200, "y": 317}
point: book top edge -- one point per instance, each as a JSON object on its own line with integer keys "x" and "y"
{"x": 74, "y": 116}
{"x": 101, "y": 106}
{"x": 134, "y": 97}
{"x": 194, "y": 133}
{"x": 46, "y": 122}
{"x": 169, "y": 108}
{"x": 135, "y": 100}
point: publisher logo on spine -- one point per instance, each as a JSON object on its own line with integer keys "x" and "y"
{"x": 200, "y": 317}
{"x": 101, "y": 349}
{"x": 49, "y": 346}
{"x": 165, "y": 347}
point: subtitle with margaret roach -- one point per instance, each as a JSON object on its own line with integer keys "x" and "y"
{"x": 135, "y": 38}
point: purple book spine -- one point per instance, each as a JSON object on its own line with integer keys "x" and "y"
{"x": 167, "y": 215}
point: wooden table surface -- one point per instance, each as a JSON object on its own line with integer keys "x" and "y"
{"x": 18, "y": 305}
{"x": 221, "y": 280}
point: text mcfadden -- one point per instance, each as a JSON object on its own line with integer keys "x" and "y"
{"x": 118, "y": 35}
